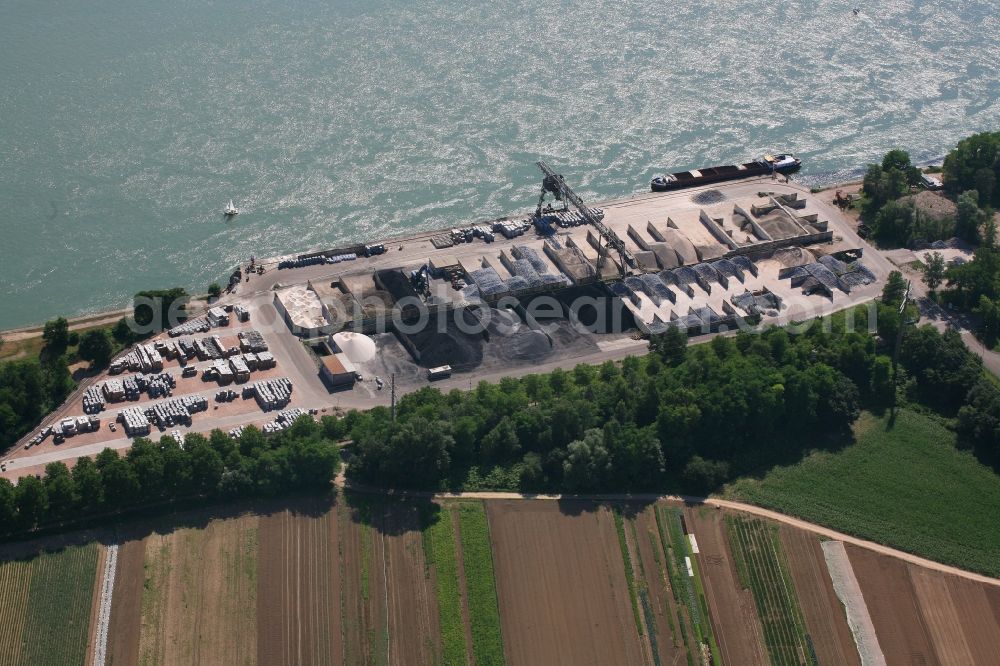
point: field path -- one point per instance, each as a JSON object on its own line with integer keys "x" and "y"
{"x": 708, "y": 501}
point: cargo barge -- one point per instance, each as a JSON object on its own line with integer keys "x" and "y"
{"x": 766, "y": 165}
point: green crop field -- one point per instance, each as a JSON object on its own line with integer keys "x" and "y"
{"x": 58, "y": 606}
{"x": 477, "y": 558}
{"x": 905, "y": 486}
{"x": 439, "y": 552}
{"x": 762, "y": 568}
{"x": 687, "y": 590}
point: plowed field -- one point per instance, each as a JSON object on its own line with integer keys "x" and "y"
{"x": 562, "y": 590}
{"x": 927, "y": 617}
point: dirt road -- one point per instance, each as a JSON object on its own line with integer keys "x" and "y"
{"x": 709, "y": 501}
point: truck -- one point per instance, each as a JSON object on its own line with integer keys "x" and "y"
{"x": 440, "y": 372}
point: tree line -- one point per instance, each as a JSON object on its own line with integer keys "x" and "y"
{"x": 679, "y": 419}
{"x": 970, "y": 173}
{"x": 303, "y": 458}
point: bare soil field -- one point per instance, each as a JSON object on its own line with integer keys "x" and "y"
{"x": 924, "y": 616}
{"x": 390, "y": 612}
{"x": 298, "y": 586}
{"x": 126, "y": 604}
{"x": 200, "y": 593}
{"x": 561, "y": 584}
{"x": 893, "y": 605}
{"x": 734, "y": 616}
{"x": 825, "y": 619}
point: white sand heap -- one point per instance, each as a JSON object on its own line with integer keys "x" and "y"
{"x": 357, "y": 347}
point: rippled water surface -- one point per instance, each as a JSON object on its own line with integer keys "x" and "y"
{"x": 125, "y": 127}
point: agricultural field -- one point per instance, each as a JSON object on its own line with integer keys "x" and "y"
{"x": 923, "y": 616}
{"x": 669, "y": 606}
{"x": 939, "y": 502}
{"x": 371, "y": 580}
{"x": 460, "y": 558}
{"x": 561, "y": 584}
{"x": 46, "y": 605}
{"x": 761, "y": 565}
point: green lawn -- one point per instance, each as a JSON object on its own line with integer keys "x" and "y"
{"x": 906, "y": 487}
{"x": 477, "y": 559}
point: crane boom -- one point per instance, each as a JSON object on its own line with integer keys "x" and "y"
{"x": 556, "y": 184}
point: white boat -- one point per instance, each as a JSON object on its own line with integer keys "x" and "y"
{"x": 230, "y": 209}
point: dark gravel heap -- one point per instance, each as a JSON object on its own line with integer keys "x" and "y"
{"x": 451, "y": 346}
{"x": 708, "y": 197}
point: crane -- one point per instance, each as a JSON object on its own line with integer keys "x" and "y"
{"x": 556, "y": 184}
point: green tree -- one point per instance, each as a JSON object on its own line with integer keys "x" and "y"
{"x": 988, "y": 329}
{"x": 119, "y": 483}
{"x": 89, "y": 487}
{"x": 8, "y": 506}
{"x": 899, "y": 160}
{"x": 60, "y": 489}
{"x": 881, "y": 383}
{"x": 894, "y": 289}
{"x": 214, "y": 291}
{"x": 154, "y": 310}
{"x": 670, "y": 346}
{"x": 587, "y": 462}
{"x": 95, "y": 346}
{"x": 146, "y": 461}
{"x": 934, "y": 271}
{"x": 966, "y": 164}
{"x": 32, "y": 501}
{"x": 970, "y": 216}
{"x": 122, "y": 331}
{"x": 206, "y": 465}
{"x": 55, "y": 335}
{"x": 704, "y": 476}
{"x": 501, "y": 443}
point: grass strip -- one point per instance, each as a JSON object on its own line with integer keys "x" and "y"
{"x": 629, "y": 572}
{"x": 477, "y": 559}
{"x": 439, "y": 549}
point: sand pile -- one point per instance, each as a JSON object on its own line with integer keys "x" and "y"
{"x": 794, "y": 256}
{"x": 357, "y": 347}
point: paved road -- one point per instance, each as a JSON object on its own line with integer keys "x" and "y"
{"x": 942, "y": 318}
{"x": 710, "y": 501}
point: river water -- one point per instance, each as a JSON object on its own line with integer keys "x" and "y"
{"x": 125, "y": 127}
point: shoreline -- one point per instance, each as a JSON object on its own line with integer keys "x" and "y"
{"x": 98, "y": 317}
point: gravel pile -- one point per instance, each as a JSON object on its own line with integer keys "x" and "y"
{"x": 451, "y": 346}
{"x": 708, "y": 197}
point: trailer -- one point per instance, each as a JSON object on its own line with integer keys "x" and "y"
{"x": 440, "y": 372}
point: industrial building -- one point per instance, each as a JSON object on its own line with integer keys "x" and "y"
{"x": 337, "y": 371}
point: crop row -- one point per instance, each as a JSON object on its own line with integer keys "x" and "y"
{"x": 439, "y": 550}
{"x": 686, "y": 590}
{"x": 759, "y": 564}
{"x": 480, "y": 582}
{"x": 58, "y": 606}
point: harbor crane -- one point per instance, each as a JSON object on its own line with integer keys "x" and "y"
{"x": 556, "y": 185}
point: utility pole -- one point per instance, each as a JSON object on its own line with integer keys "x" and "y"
{"x": 392, "y": 391}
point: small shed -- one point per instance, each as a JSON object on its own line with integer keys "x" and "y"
{"x": 337, "y": 370}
